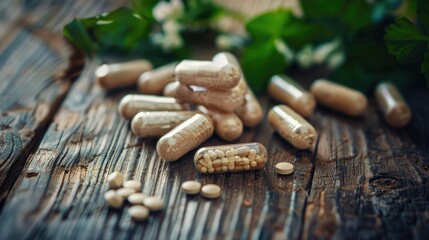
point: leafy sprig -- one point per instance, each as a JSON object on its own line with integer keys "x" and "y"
{"x": 409, "y": 42}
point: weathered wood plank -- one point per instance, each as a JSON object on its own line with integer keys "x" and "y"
{"x": 60, "y": 194}
{"x": 376, "y": 185}
{"x": 36, "y": 70}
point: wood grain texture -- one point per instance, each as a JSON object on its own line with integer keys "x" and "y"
{"x": 37, "y": 68}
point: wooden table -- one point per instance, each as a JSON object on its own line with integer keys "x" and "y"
{"x": 61, "y": 135}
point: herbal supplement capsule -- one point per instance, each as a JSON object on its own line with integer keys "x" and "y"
{"x": 138, "y": 213}
{"x": 289, "y": 92}
{"x": 113, "y": 199}
{"x": 236, "y": 157}
{"x": 115, "y": 180}
{"x": 153, "y": 203}
{"x": 222, "y": 100}
{"x": 154, "y": 81}
{"x": 339, "y": 97}
{"x": 156, "y": 124}
{"x": 394, "y": 108}
{"x": 131, "y": 104}
{"x": 250, "y": 112}
{"x": 292, "y": 127}
{"x": 133, "y": 184}
{"x": 284, "y": 168}
{"x": 170, "y": 88}
{"x": 211, "y": 191}
{"x": 191, "y": 187}
{"x": 136, "y": 198}
{"x": 207, "y": 74}
{"x": 185, "y": 137}
{"x": 125, "y": 192}
{"x": 227, "y": 125}
{"x": 118, "y": 75}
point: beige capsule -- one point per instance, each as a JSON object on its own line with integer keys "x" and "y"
{"x": 221, "y": 100}
{"x": 154, "y": 81}
{"x": 392, "y": 104}
{"x": 113, "y": 199}
{"x": 227, "y": 125}
{"x": 289, "y": 92}
{"x": 170, "y": 88}
{"x": 250, "y": 112}
{"x": 234, "y": 158}
{"x": 292, "y": 127}
{"x": 185, "y": 137}
{"x": 191, "y": 187}
{"x": 340, "y": 98}
{"x": 138, "y": 213}
{"x": 211, "y": 191}
{"x": 207, "y": 74}
{"x": 133, "y": 184}
{"x": 153, "y": 203}
{"x": 119, "y": 75}
{"x": 156, "y": 124}
{"x": 136, "y": 198}
{"x": 132, "y": 104}
{"x": 115, "y": 180}
{"x": 125, "y": 192}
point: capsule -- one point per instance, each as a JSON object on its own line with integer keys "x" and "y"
{"x": 221, "y": 100}
{"x": 170, "y": 88}
{"x": 250, "y": 113}
{"x": 207, "y": 74}
{"x": 154, "y": 81}
{"x": 131, "y": 104}
{"x": 185, "y": 137}
{"x": 392, "y": 104}
{"x": 292, "y": 127}
{"x": 156, "y": 124}
{"x": 289, "y": 92}
{"x": 340, "y": 98}
{"x": 231, "y": 158}
{"x": 119, "y": 75}
{"x": 227, "y": 125}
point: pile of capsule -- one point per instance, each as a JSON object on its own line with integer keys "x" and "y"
{"x": 185, "y": 103}
{"x": 289, "y": 119}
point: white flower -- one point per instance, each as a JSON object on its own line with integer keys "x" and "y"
{"x": 167, "y": 42}
{"x": 336, "y": 59}
{"x": 167, "y": 10}
{"x": 283, "y": 48}
{"x": 305, "y": 57}
{"x": 322, "y": 52}
{"x": 171, "y": 26}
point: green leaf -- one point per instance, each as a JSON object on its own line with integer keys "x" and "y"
{"x": 357, "y": 14}
{"x": 75, "y": 32}
{"x": 405, "y": 41}
{"x": 143, "y": 7}
{"x": 268, "y": 25}
{"x": 423, "y": 15}
{"x": 260, "y": 61}
{"x": 322, "y": 8}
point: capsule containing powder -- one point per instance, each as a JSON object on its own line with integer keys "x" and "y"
{"x": 289, "y": 92}
{"x": 340, "y": 98}
{"x": 227, "y": 125}
{"x": 154, "y": 81}
{"x": 119, "y": 75}
{"x": 250, "y": 113}
{"x": 156, "y": 124}
{"x": 222, "y": 100}
{"x": 392, "y": 104}
{"x": 292, "y": 127}
{"x": 131, "y": 104}
{"x": 231, "y": 158}
{"x": 185, "y": 137}
{"x": 170, "y": 88}
{"x": 207, "y": 74}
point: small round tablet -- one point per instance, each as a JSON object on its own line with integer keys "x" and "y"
{"x": 133, "y": 184}
{"x": 136, "y": 198}
{"x": 284, "y": 168}
{"x": 211, "y": 191}
{"x": 113, "y": 199}
{"x": 191, "y": 187}
{"x": 125, "y": 192}
{"x": 153, "y": 203}
{"x": 138, "y": 212}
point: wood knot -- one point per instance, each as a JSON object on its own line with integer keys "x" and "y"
{"x": 383, "y": 184}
